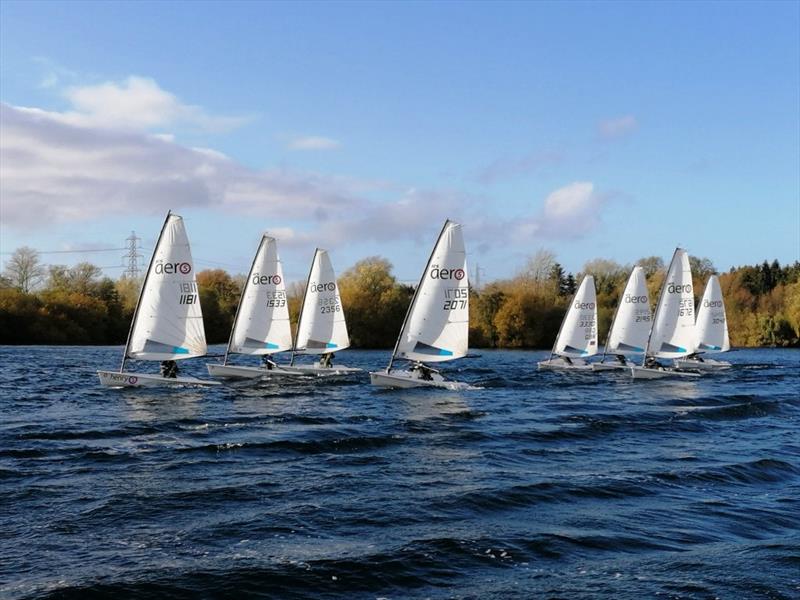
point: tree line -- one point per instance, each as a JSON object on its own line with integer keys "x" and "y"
{"x": 78, "y": 305}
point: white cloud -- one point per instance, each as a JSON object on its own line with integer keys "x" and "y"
{"x": 569, "y": 212}
{"x": 137, "y": 103}
{"x": 610, "y": 129}
{"x": 53, "y": 170}
{"x": 313, "y": 143}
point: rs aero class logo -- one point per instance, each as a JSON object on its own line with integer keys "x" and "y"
{"x": 437, "y": 273}
{"x": 712, "y": 304}
{"x": 323, "y": 287}
{"x": 266, "y": 279}
{"x": 635, "y": 299}
{"x": 679, "y": 289}
{"x": 584, "y": 305}
{"x": 162, "y": 268}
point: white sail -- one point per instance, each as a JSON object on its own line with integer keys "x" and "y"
{"x": 672, "y": 335}
{"x": 711, "y": 328}
{"x": 322, "y": 326}
{"x": 578, "y": 335}
{"x": 632, "y": 322}
{"x": 437, "y": 325}
{"x": 168, "y": 324}
{"x": 262, "y": 320}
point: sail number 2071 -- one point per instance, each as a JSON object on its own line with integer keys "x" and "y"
{"x": 455, "y": 298}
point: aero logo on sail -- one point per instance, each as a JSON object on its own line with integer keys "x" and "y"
{"x": 266, "y": 279}
{"x": 679, "y": 289}
{"x": 635, "y": 299}
{"x": 712, "y": 304}
{"x": 584, "y": 305}
{"x": 323, "y": 287}
{"x": 437, "y": 273}
{"x": 162, "y": 268}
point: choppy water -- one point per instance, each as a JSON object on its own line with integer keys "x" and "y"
{"x": 537, "y": 485}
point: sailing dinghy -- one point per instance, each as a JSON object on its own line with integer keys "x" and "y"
{"x": 261, "y": 325}
{"x": 167, "y": 323}
{"x": 711, "y": 329}
{"x": 630, "y": 325}
{"x": 577, "y": 337}
{"x": 672, "y": 332}
{"x": 436, "y": 326}
{"x": 321, "y": 327}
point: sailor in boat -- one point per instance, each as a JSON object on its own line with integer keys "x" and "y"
{"x": 266, "y": 362}
{"x": 567, "y": 360}
{"x": 621, "y": 359}
{"x": 326, "y": 360}
{"x": 651, "y": 363}
{"x": 423, "y": 372}
{"x": 169, "y": 369}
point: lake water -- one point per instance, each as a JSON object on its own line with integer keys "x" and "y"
{"x": 537, "y": 484}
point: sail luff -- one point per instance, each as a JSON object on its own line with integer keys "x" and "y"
{"x": 658, "y": 307}
{"x": 141, "y": 291}
{"x": 561, "y": 325}
{"x": 614, "y": 318}
{"x": 302, "y": 306}
{"x": 578, "y": 333}
{"x": 241, "y": 297}
{"x": 416, "y": 295}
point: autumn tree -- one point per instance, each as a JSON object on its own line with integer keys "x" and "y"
{"x": 374, "y": 303}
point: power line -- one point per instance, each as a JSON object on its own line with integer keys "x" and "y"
{"x": 74, "y": 251}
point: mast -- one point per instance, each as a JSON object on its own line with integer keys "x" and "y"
{"x": 416, "y": 293}
{"x": 658, "y": 306}
{"x": 141, "y": 292}
{"x": 302, "y": 306}
{"x": 241, "y": 297}
{"x": 614, "y": 318}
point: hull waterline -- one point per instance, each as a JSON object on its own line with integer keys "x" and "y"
{"x": 638, "y": 372}
{"x": 125, "y": 379}
{"x": 406, "y": 379}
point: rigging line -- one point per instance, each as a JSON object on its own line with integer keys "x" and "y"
{"x": 73, "y": 251}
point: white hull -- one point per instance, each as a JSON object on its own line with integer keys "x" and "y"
{"x": 638, "y": 372}
{"x": 610, "y": 366}
{"x": 408, "y": 379}
{"x": 241, "y": 372}
{"x": 559, "y": 364}
{"x": 320, "y": 371}
{"x": 707, "y": 364}
{"x": 125, "y": 379}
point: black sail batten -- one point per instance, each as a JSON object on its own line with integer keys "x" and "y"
{"x": 141, "y": 292}
{"x": 416, "y": 293}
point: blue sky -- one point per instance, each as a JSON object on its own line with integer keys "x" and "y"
{"x": 615, "y": 130}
